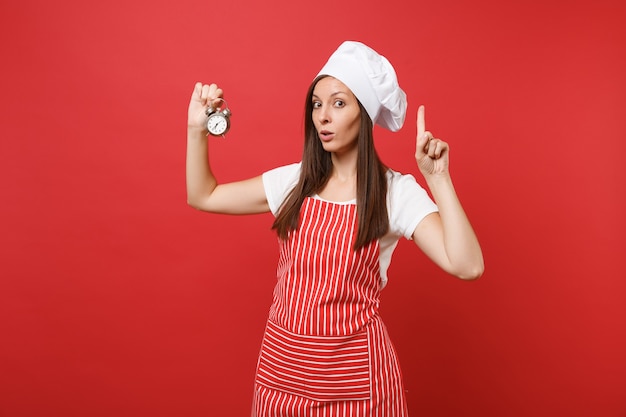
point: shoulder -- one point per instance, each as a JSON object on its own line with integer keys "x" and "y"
{"x": 278, "y": 182}
{"x": 407, "y": 202}
{"x": 403, "y": 188}
{"x": 284, "y": 170}
{"x": 282, "y": 176}
{"x": 397, "y": 181}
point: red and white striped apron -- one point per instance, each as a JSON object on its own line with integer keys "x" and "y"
{"x": 326, "y": 351}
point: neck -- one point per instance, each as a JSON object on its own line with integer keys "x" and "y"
{"x": 344, "y": 166}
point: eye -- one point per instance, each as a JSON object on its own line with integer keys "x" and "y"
{"x": 340, "y": 103}
{"x": 317, "y": 104}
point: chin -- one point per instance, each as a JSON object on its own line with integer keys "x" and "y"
{"x": 328, "y": 146}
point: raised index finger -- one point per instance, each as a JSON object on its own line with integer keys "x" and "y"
{"x": 421, "y": 123}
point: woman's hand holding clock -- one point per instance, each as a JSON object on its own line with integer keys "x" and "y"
{"x": 204, "y": 96}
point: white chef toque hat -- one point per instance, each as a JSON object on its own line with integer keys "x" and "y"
{"x": 373, "y": 81}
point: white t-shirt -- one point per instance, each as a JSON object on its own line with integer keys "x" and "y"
{"x": 407, "y": 204}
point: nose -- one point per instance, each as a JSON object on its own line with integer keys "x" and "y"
{"x": 322, "y": 115}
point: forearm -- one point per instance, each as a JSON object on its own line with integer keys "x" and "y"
{"x": 459, "y": 240}
{"x": 200, "y": 179}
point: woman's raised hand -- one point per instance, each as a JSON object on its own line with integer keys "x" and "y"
{"x": 431, "y": 153}
{"x": 203, "y": 97}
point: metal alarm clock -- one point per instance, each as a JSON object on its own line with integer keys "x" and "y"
{"x": 219, "y": 119}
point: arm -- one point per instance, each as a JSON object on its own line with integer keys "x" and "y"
{"x": 203, "y": 191}
{"x": 446, "y": 237}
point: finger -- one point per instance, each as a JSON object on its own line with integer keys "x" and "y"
{"x": 197, "y": 90}
{"x": 423, "y": 141}
{"x": 217, "y": 97}
{"x": 421, "y": 123}
{"x": 444, "y": 147}
{"x": 211, "y": 95}
{"x": 205, "y": 93}
{"x": 213, "y": 91}
{"x": 434, "y": 150}
{"x": 437, "y": 148}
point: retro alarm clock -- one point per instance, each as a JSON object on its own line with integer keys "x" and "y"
{"x": 219, "y": 119}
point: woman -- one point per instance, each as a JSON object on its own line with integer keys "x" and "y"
{"x": 339, "y": 215}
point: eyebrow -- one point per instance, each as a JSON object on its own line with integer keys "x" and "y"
{"x": 332, "y": 95}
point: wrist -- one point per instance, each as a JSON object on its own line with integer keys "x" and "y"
{"x": 439, "y": 184}
{"x": 196, "y": 131}
{"x": 439, "y": 179}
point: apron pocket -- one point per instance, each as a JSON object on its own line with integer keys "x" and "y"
{"x": 320, "y": 368}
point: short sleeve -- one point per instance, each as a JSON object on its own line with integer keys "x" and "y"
{"x": 278, "y": 182}
{"x": 408, "y": 204}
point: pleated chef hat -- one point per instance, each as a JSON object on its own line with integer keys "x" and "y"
{"x": 373, "y": 81}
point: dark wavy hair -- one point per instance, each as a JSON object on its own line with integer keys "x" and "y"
{"x": 371, "y": 201}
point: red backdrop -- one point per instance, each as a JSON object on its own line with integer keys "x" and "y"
{"x": 117, "y": 299}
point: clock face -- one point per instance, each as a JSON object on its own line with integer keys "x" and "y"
{"x": 217, "y": 124}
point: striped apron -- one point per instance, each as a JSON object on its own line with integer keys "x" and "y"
{"x": 325, "y": 351}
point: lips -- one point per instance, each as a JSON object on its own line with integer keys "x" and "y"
{"x": 325, "y": 135}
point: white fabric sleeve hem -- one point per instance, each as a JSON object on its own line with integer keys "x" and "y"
{"x": 408, "y": 204}
{"x": 278, "y": 182}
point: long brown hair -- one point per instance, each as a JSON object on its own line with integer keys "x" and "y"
{"x": 371, "y": 182}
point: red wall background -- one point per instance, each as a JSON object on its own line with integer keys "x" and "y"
{"x": 117, "y": 299}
